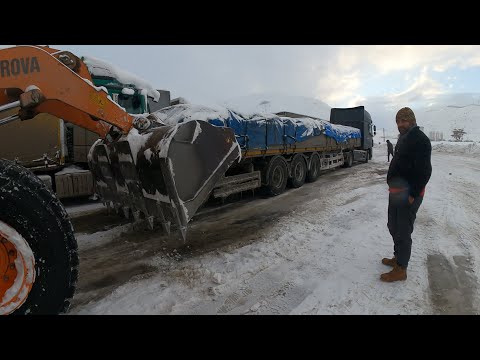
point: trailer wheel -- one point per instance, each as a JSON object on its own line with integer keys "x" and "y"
{"x": 298, "y": 168}
{"x": 315, "y": 166}
{"x": 38, "y": 250}
{"x": 370, "y": 154}
{"x": 349, "y": 161}
{"x": 277, "y": 175}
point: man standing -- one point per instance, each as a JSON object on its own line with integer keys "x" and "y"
{"x": 408, "y": 174}
{"x": 390, "y": 149}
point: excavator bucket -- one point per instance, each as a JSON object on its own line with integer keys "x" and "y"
{"x": 165, "y": 173}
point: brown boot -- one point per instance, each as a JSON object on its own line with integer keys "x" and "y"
{"x": 389, "y": 262}
{"x": 397, "y": 273}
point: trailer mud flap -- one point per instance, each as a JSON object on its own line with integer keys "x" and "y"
{"x": 166, "y": 173}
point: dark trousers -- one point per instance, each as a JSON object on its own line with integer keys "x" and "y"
{"x": 401, "y": 217}
{"x": 389, "y": 153}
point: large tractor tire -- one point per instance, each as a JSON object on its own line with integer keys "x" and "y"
{"x": 38, "y": 250}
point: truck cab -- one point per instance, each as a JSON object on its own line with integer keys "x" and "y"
{"x": 51, "y": 146}
{"x": 134, "y": 100}
{"x": 359, "y": 118}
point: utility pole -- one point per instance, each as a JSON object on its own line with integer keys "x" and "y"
{"x": 383, "y": 134}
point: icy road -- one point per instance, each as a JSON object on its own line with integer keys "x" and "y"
{"x": 313, "y": 250}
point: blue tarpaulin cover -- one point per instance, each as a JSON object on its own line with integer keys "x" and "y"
{"x": 258, "y": 131}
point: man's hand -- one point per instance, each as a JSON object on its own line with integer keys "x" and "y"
{"x": 410, "y": 199}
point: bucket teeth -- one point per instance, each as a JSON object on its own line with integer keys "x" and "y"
{"x": 136, "y": 215}
{"x": 183, "y": 231}
{"x": 159, "y": 178}
{"x": 150, "y": 222}
{"x": 166, "y": 227}
{"x": 117, "y": 207}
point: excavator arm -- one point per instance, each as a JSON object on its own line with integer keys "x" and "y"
{"x": 140, "y": 165}
{"x": 47, "y": 80}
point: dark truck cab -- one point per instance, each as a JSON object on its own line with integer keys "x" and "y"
{"x": 359, "y": 118}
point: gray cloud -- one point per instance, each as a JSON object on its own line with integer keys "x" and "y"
{"x": 333, "y": 74}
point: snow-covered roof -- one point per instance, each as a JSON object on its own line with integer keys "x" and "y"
{"x": 98, "y": 67}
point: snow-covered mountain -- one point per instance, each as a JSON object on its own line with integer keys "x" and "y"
{"x": 445, "y": 119}
{"x": 275, "y": 103}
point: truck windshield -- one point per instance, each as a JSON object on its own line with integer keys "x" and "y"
{"x": 131, "y": 103}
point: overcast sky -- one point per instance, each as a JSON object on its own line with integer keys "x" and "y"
{"x": 382, "y": 78}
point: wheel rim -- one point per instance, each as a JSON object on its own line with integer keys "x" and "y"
{"x": 17, "y": 269}
{"x": 298, "y": 171}
{"x": 277, "y": 177}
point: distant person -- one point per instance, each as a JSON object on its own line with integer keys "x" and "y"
{"x": 408, "y": 174}
{"x": 390, "y": 149}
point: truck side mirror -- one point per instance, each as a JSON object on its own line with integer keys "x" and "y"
{"x": 374, "y": 129}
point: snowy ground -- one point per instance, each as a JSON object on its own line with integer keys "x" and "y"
{"x": 313, "y": 250}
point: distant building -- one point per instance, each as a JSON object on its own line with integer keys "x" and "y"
{"x": 435, "y": 136}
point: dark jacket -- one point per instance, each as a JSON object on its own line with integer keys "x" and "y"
{"x": 411, "y": 164}
{"x": 390, "y": 147}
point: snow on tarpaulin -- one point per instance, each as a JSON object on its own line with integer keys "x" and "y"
{"x": 181, "y": 113}
{"x": 259, "y": 131}
{"x": 239, "y": 126}
{"x": 299, "y": 129}
{"x": 341, "y": 133}
{"x": 223, "y": 117}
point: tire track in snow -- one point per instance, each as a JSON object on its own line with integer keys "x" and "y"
{"x": 450, "y": 227}
{"x": 331, "y": 266}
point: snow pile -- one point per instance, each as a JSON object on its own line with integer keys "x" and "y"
{"x": 449, "y": 147}
{"x": 87, "y": 241}
{"x": 340, "y": 132}
{"x": 176, "y": 114}
{"x": 128, "y": 91}
{"x": 308, "y": 126}
{"x": 465, "y": 148}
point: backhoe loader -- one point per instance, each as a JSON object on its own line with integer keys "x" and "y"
{"x": 140, "y": 165}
